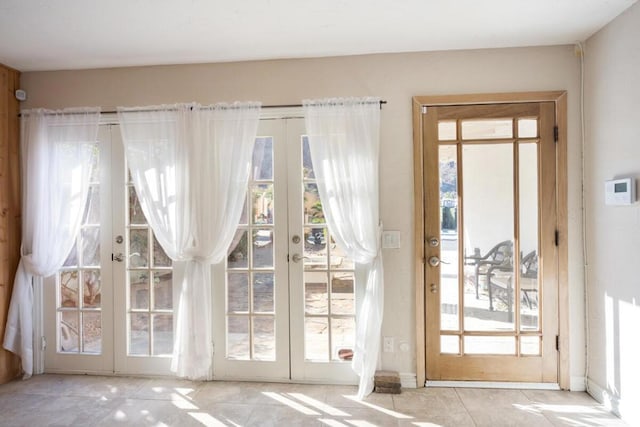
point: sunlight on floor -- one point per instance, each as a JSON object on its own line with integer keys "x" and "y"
{"x": 48, "y": 399}
{"x": 379, "y": 408}
{"x": 565, "y": 409}
{"x": 290, "y": 403}
{"x": 207, "y": 420}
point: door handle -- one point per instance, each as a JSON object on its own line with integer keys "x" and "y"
{"x": 434, "y": 261}
{"x": 117, "y": 257}
{"x": 298, "y": 258}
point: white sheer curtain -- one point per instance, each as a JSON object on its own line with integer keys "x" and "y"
{"x": 344, "y": 139}
{"x": 190, "y": 166}
{"x": 57, "y": 150}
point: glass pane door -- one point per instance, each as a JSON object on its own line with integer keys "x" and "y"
{"x": 323, "y": 279}
{"x": 286, "y": 296}
{"x": 110, "y": 307}
{"x": 78, "y": 299}
{"x": 494, "y": 219}
{"x": 251, "y": 288}
{"x": 143, "y": 274}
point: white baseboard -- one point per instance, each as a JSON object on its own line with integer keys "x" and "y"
{"x": 627, "y": 409}
{"x": 611, "y": 402}
{"x": 408, "y": 380}
{"x": 577, "y": 384}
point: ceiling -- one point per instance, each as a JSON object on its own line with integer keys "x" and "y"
{"x": 78, "y": 34}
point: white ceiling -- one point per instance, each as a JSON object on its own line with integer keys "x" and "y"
{"x": 75, "y": 34}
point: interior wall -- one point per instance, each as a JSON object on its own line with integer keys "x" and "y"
{"x": 612, "y": 112}
{"x": 394, "y": 77}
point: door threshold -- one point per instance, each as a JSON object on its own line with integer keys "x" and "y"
{"x": 493, "y": 384}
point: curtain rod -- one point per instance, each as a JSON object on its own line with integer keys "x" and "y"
{"x": 381, "y": 102}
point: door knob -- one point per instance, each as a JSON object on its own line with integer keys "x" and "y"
{"x": 434, "y": 261}
{"x": 117, "y": 257}
{"x": 298, "y": 258}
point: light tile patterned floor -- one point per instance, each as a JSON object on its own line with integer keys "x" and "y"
{"x": 62, "y": 400}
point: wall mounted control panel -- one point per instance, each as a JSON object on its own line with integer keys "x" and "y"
{"x": 620, "y": 192}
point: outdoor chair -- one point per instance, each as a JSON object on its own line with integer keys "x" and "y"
{"x": 500, "y": 282}
{"x": 529, "y": 276}
{"x": 499, "y": 256}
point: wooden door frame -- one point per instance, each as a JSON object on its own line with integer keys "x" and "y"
{"x": 560, "y": 100}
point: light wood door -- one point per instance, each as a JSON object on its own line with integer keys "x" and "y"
{"x": 491, "y": 266}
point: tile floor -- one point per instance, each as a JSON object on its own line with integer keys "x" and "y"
{"x": 63, "y": 400}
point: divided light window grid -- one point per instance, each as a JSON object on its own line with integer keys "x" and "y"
{"x": 250, "y": 273}
{"x": 78, "y": 305}
{"x": 149, "y": 286}
{"x": 329, "y": 280}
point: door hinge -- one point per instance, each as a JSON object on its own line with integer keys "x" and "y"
{"x": 557, "y": 237}
{"x": 555, "y": 133}
{"x": 424, "y": 109}
{"x": 558, "y": 342}
{"x": 43, "y": 343}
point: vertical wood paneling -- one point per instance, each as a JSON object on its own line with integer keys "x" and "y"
{"x": 10, "y": 207}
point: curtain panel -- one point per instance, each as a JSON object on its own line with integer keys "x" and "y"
{"x": 190, "y": 167}
{"x": 344, "y": 140}
{"x": 57, "y": 153}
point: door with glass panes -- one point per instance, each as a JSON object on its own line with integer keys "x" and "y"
{"x": 285, "y": 297}
{"x": 491, "y": 252}
{"x": 110, "y": 307}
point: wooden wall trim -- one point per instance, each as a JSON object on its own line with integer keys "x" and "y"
{"x": 563, "y": 243}
{"x": 418, "y": 201}
{"x": 489, "y": 98}
{"x": 10, "y": 207}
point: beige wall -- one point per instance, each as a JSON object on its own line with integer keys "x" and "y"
{"x": 612, "y": 101}
{"x": 394, "y": 77}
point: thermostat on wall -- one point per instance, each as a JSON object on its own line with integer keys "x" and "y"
{"x": 620, "y": 192}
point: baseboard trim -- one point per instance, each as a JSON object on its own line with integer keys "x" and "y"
{"x": 578, "y": 384}
{"x": 626, "y": 409}
{"x": 602, "y": 395}
{"x": 408, "y": 380}
{"x": 493, "y": 384}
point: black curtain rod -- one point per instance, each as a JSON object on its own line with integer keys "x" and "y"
{"x": 382, "y": 102}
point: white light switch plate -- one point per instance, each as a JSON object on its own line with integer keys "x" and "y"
{"x": 391, "y": 239}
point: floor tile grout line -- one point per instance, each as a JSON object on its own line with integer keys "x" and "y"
{"x": 455, "y": 389}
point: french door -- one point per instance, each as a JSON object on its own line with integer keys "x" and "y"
{"x": 110, "y": 307}
{"x": 285, "y": 297}
{"x": 491, "y": 263}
